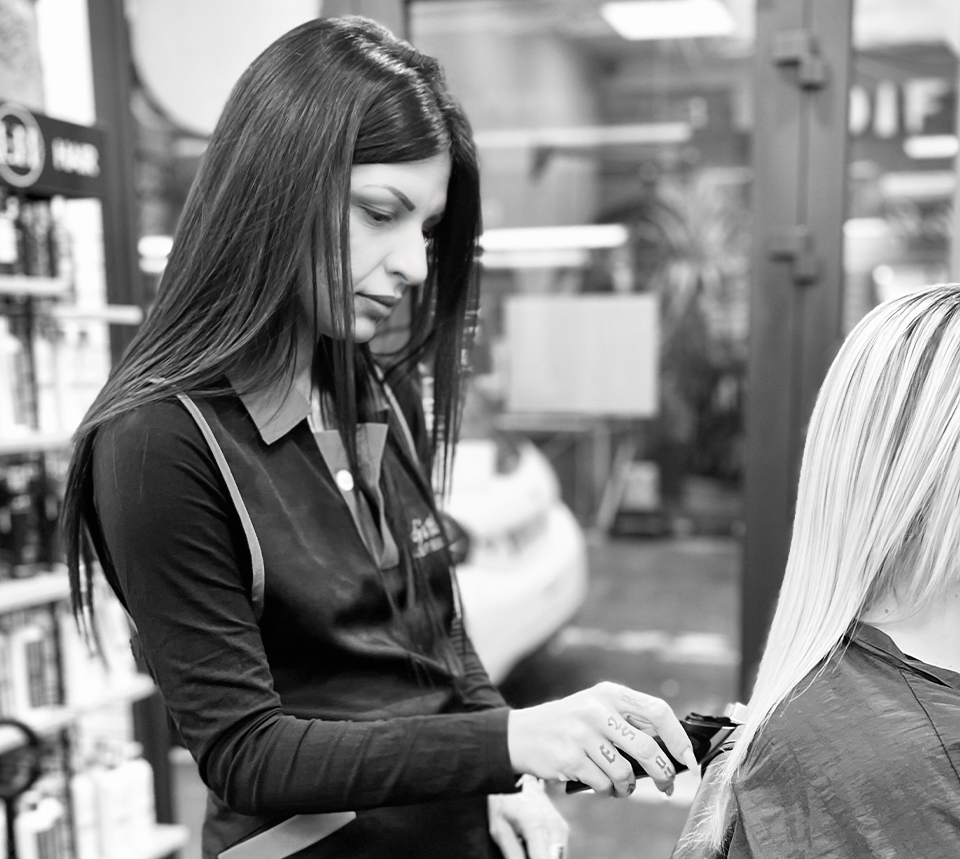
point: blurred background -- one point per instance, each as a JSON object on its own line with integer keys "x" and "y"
{"x": 687, "y": 204}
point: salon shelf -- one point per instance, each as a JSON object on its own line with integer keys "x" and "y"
{"x": 34, "y": 442}
{"x": 164, "y": 840}
{"x": 27, "y": 286}
{"x": 113, "y": 314}
{"x": 42, "y": 589}
{"x": 49, "y": 720}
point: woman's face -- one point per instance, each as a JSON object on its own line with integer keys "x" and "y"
{"x": 393, "y": 208}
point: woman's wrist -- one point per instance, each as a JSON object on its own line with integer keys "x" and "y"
{"x": 530, "y": 782}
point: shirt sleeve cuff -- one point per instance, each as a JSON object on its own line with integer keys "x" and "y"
{"x": 493, "y": 738}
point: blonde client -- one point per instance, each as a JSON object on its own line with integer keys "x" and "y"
{"x": 852, "y": 744}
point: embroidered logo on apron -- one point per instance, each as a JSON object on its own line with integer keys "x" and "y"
{"x": 426, "y": 536}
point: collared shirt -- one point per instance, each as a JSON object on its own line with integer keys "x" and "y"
{"x": 277, "y": 412}
{"x": 862, "y": 761}
{"x": 314, "y": 706}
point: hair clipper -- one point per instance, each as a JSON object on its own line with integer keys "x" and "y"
{"x": 708, "y": 736}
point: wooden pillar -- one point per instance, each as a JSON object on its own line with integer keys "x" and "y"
{"x": 802, "y": 78}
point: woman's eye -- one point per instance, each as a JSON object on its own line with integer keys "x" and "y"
{"x": 377, "y": 216}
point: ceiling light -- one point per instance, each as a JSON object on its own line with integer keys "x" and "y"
{"x": 559, "y": 258}
{"x": 918, "y": 184}
{"x": 155, "y": 246}
{"x": 932, "y": 146}
{"x": 668, "y": 19}
{"x": 554, "y": 238}
{"x": 586, "y": 136}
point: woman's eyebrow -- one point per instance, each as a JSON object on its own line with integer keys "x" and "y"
{"x": 403, "y": 198}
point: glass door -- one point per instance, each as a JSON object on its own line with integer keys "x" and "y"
{"x": 901, "y": 231}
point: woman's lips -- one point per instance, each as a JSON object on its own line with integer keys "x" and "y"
{"x": 378, "y": 305}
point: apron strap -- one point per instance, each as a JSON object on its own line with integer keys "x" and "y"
{"x": 256, "y": 554}
{"x": 401, "y": 418}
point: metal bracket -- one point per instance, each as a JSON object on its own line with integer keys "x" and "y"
{"x": 799, "y": 48}
{"x": 795, "y": 245}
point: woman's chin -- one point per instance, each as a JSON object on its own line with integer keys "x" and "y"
{"x": 364, "y": 330}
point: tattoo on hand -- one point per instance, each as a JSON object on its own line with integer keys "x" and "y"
{"x": 609, "y": 754}
{"x": 632, "y": 701}
{"x": 665, "y": 766}
{"x": 622, "y": 728}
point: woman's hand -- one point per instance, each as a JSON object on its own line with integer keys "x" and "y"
{"x": 577, "y": 737}
{"x": 525, "y": 825}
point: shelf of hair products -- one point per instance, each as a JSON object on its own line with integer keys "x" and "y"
{"x": 65, "y": 710}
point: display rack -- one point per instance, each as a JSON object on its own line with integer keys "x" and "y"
{"x": 33, "y": 442}
{"x": 48, "y": 590}
{"x": 28, "y": 286}
{"x": 38, "y": 300}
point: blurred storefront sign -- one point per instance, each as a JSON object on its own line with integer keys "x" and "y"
{"x": 42, "y": 154}
{"x": 903, "y": 107}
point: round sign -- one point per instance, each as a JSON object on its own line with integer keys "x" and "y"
{"x": 22, "y": 149}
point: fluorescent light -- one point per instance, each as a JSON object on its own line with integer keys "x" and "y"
{"x": 155, "y": 246}
{"x": 919, "y": 184}
{"x": 557, "y": 258}
{"x": 668, "y": 19}
{"x": 154, "y": 251}
{"x": 932, "y": 146}
{"x": 866, "y": 228}
{"x": 554, "y": 238}
{"x": 586, "y": 136}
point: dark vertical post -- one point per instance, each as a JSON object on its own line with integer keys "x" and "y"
{"x": 112, "y": 83}
{"x": 110, "y": 51}
{"x": 800, "y": 166}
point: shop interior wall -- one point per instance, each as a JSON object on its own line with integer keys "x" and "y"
{"x": 511, "y": 76}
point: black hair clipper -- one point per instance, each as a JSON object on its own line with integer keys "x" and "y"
{"x": 708, "y": 736}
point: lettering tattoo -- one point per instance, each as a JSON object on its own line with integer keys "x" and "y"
{"x": 609, "y": 754}
{"x": 632, "y": 701}
{"x": 622, "y": 728}
{"x": 665, "y": 765}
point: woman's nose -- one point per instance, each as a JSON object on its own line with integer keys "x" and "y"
{"x": 408, "y": 259}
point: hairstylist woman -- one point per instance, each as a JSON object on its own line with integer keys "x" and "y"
{"x": 256, "y": 484}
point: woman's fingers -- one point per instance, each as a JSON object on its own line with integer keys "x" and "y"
{"x": 536, "y": 821}
{"x": 619, "y": 777}
{"x": 525, "y": 825}
{"x": 503, "y": 833}
{"x": 578, "y": 738}
{"x": 594, "y": 772}
{"x": 654, "y": 761}
{"x": 653, "y": 716}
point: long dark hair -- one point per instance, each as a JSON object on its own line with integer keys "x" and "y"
{"x": 273, "y": 187}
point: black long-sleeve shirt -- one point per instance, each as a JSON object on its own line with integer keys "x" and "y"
{"x": 313, "y": 707}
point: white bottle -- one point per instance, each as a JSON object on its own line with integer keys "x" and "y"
{"x": 27, "y": 825}
{"x": 50, "y": 815}
{"x": 83, "y": 795}
{"x": 138, "y": 775}
{"x": 112, "y": 806}
{"x": 9, "y": 346}
{"x": 25, "y": 642}
{"x": 9, "y": 257}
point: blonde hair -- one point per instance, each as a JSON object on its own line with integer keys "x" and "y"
{"x": 877, "y": 503}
